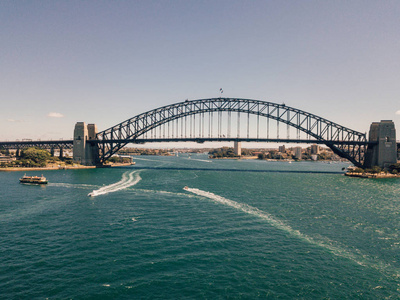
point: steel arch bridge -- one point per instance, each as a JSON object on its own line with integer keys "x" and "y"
{"x": 219, "y": 119}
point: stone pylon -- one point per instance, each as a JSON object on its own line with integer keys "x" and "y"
{"x": 384, "y": 152}
{"x": 85, "y": 152}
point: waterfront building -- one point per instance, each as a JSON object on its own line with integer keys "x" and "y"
{"x": 6, "y": 159}
{"x": 297, "y": 152}
{"x": 314, "y": 149}
{"x": 237, "y": 148}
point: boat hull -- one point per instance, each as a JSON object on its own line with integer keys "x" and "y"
{"x": 33, "y": 182}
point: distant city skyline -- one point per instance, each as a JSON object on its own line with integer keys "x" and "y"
{"x": 104, "y": 62}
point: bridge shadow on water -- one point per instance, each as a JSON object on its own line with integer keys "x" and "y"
{"x": 234, "y": 170}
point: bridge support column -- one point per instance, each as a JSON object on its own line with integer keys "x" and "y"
{"x": 61, "y": 155}
{"x": 384, "y": 153}
{"x": 84, "y": 152}
{"x": 237, "y": 147}
{"x": 52, "y": 152}
{"x": 92, "y": 149}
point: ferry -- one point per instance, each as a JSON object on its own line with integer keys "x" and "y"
{"x": 33, "y": 179}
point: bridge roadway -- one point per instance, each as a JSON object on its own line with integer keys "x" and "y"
{"x": 233, "y": 139}
{"x": 68, "y": 144}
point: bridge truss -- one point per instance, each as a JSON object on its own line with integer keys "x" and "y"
{"x": 232, "y": 119}
{"x": 56, "y": 144}
{"x": 61, "y": 145}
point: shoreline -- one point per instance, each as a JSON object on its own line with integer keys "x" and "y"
{"x": 372, "y": 175}
{"x": 53, "y": 168}
{"x": 45, "y": 168}
{"x": 251, "y": 157}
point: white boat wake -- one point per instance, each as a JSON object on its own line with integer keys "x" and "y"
{"x": 203, "y": 160}
{"x": 72, "y": 185}
{"x": 328, "y": 245}
{"x": 126, "y": 181}
{"x": 247, "y": 209}
{"x": 198, "y": 159}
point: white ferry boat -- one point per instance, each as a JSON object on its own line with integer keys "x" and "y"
{"x": 33, "y": 179}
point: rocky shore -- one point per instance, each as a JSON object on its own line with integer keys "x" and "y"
{"x": 372, "y": 175}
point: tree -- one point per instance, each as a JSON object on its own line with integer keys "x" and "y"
{"x": 374, "y": 170}
{"x": 34, "y": 156}
{"x": 359, "y": 170}
{"x": 395, "y": 167}
{"x": 261, "y": 156}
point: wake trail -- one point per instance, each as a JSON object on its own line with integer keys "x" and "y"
{"x": 363, "y": 261}
{"x": 203, "y": 160}
{"x": 122, "y": 181}
{"x": 126, "y": 181}
{"x": 71, "y": 185}
{"x": 137, "y": 158}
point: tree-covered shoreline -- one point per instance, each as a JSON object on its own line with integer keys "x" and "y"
{"x": 35, "y": 158}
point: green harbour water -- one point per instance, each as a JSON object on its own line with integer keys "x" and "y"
{"x": 196, "y": 228}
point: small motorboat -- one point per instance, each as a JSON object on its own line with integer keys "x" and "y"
{"x": 186, "y": 188}
{"x": 33, "y": 179}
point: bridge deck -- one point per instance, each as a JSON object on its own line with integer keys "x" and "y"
{"x": 232, "y": 139}
{"x": 45, "y": 144}
{"x": 53, "y": 143}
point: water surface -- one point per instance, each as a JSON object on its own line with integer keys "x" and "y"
{"x": 242, "y": 229}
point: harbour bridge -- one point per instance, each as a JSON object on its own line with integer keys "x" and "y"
{"x": 229, "y": 119}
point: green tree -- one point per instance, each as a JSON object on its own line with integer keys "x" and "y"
{"x": 395, "y": 166}
{"x": 374, "y": 170}
{"x": 261, "y": 156}
{"x": 36, "y": 156}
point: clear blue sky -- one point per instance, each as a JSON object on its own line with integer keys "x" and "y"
{"x": 106, "y": 61}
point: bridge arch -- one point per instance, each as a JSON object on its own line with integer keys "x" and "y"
{"x": 344, "y": 141}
